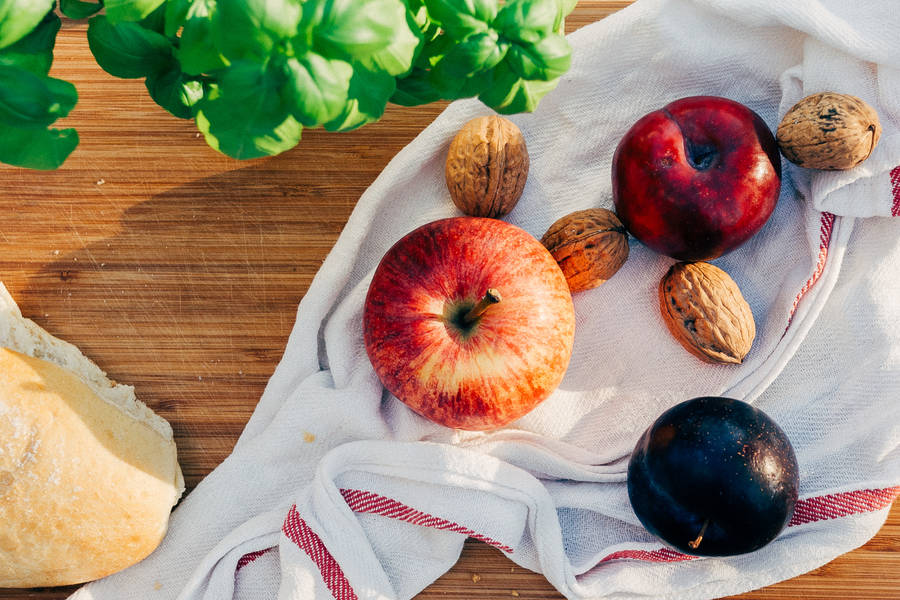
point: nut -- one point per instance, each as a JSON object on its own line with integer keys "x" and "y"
{"x": 705, "y": 311}
{"x": 487, "y": 166}
{"x": 589, "y": 245}
{"x": 829, "y": 131}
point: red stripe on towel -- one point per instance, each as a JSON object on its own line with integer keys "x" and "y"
{"x": 820, "y": 508}
{"x": 660, "y": 555}
{"x": 367, "y": 502}
{"x": 296, "y": 529}
{"x": 833, "y": 506}
{"x": 825, "y": 230}
{"x": 250, "y": 557}
{"x": 895, "y": 190}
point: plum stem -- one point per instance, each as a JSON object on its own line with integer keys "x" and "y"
{"x": 491, "y": 297}
{"x": 696, "y": 542}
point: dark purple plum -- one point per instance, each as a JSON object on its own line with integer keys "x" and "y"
{"x": 714, "y": 477}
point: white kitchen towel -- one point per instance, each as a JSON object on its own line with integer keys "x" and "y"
{"x": 336, "y": 490}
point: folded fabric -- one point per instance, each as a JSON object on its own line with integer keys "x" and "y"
{"x": 337, "y": 490}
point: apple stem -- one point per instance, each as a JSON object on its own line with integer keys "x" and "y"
{"x": 491, "y": 297}
{"x": 696, "y": 542}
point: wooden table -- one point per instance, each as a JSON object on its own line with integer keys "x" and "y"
{"x": 179, "y": 271}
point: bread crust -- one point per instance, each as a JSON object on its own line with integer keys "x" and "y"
{"x": 87, "y": 483}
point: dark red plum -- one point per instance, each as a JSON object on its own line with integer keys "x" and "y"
{"x": 697, "y": 178}
{"x": 714, "y": 477}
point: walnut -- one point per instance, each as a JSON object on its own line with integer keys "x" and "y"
{"x": 487, "y": 166}
{"x": 589, "y": 245}
{"x": 829, "y": 131}
{"x": 705, "y": 311}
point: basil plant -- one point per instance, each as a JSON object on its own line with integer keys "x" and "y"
{"x": 253, "y": 73}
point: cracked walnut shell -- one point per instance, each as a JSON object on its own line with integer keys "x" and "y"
{"x": 703, "y": 308}
{"x": 487, "y": 166}
{"x": 829, "y": 131}
{"x": 589, "y": 246}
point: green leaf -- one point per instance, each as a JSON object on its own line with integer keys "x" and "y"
{"x": 76, "y": 9}
{"x": 19, "y": 17}
{"x": 434, "y": 50}
{"x": 415, "y": 6}
{"x": 415, "y": 89}
{"x": 419, "y": 14}
{"x": 397, "y": 58}
{"x": 479, "y": 52}
{"x": 475, "y": 85}
{"x": 250, "y": 29}
{"x": 175, "y": 91}
{"x": 316, "y": 88}
{"x": 244, "y": 116}
{"x": 197, "y": 51}
{"x": 432, "y": 32}
{"x": 546, "y": 60}
{"x": 34, "y": 52}
{"x": 564, "y": 7}
{"x": 356, "y": 29}
{"x": 465, "y": 70}
{"x": 43, "y": 149}
{"x": 366, "y": 99}
{"x": 462, "y": 88}
{"x": 156, "y": 20}
{"x": 508, "y": 94}
{"x": 127, "y": 50}
{"x": 33, "y": 101}
{"x": 119, "y": 11}
{"x": 528, "y": 21}
{"x": 461, "y": 18}
{"x": 176, "y": 14}
{"x": 451, "y": 70}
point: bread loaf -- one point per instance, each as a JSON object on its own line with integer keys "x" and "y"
{"x": 88, "y": 474}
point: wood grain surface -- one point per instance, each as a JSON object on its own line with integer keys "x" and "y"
{"x": 179, "y": 271}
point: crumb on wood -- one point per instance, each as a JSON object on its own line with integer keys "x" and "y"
{"x": 514, "y": 593}
{"x": 476, "y": 577}
{"x": 101, "y": 181}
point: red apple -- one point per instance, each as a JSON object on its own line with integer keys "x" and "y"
{"x": 469, "y": 321}
{"x": 697, "y": 178}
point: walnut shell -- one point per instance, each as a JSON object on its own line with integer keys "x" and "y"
{"x": 705, "y": 311}
{"x": 589, "y": 245}
{"x": 487, "y": 166}
{"x": 829, "y": 131}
